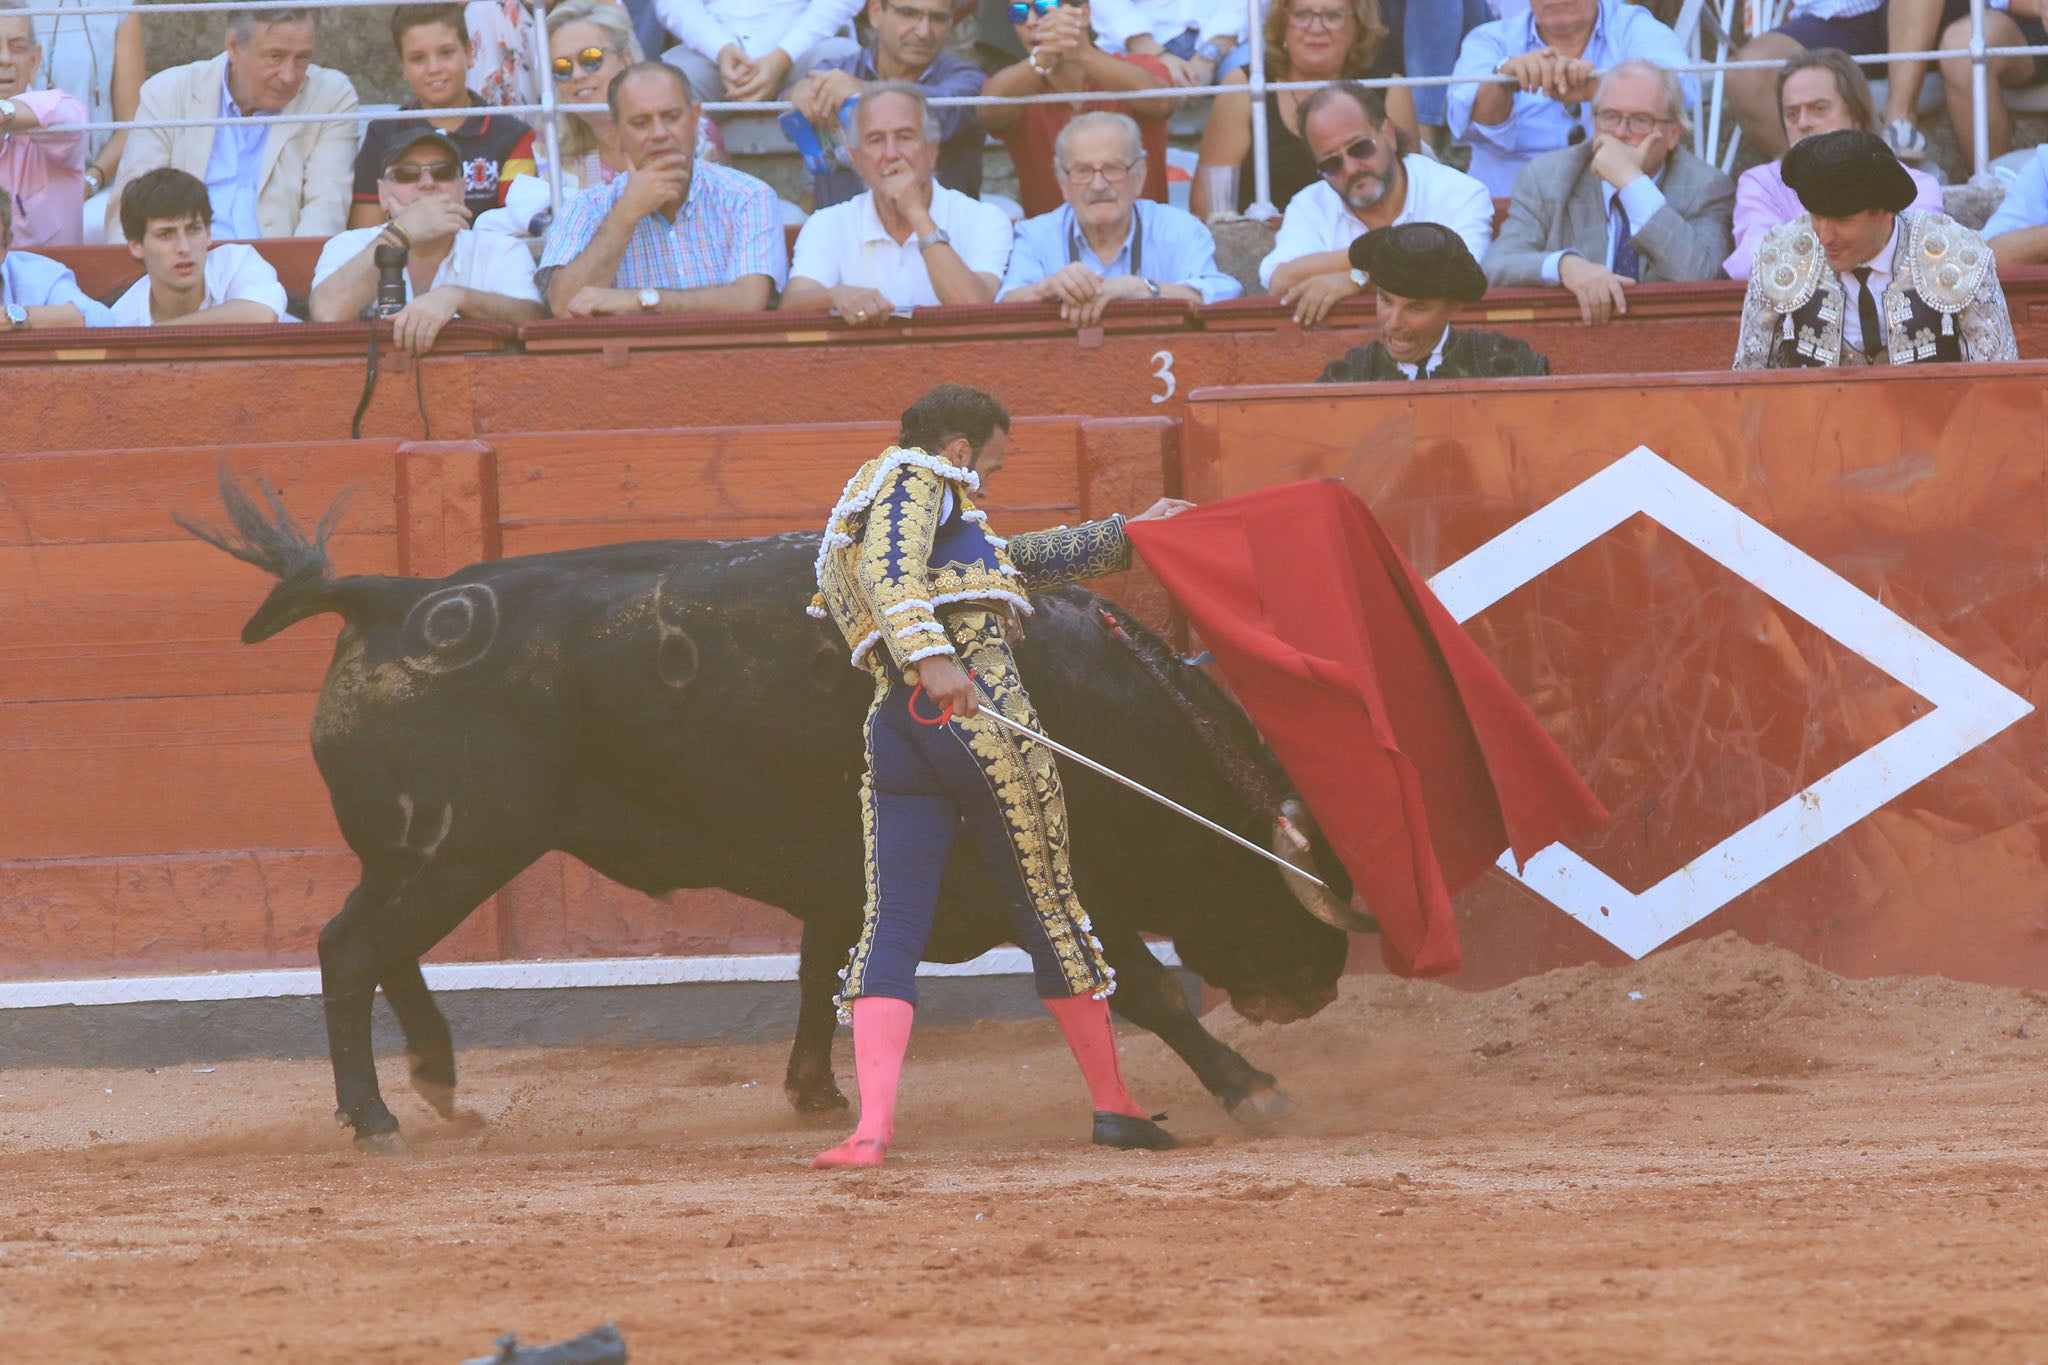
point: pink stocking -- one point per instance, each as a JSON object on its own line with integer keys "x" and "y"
{"x": 1085, "y": 1021}
{"x": 881, "y": 1035}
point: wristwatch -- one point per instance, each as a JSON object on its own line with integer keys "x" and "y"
{"x": 1151, "y": 286}
{"x": 1359, "y": 277}
{"x": 650, "y": 299}
{"x": 17, "y": 316}
{"x": 1209, "y": 52}
{"x": 95, "y": 180}
{"x": 939, "y": 237}
{"x": 7, "y": 114}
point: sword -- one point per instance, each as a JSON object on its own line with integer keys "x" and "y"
{"x": 1113, "y": 775}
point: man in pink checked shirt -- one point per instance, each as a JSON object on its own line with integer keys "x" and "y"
{"x": 42, "y": 164}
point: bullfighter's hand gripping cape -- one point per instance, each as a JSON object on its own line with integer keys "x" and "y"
{"x": 1417, "y": 759}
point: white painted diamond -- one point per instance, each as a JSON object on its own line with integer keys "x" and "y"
{"x": 1969, "y": 707}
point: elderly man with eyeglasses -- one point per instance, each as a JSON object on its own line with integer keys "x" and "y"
{"x": 909, "y": 44}
{"x": 450, "y": 270}
{"x": 1366, "y": 184}
{"x": 1105, "y": 243}
{"x": 1632, "y": 206}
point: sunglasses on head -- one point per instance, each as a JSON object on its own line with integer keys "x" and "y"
{"x": 1361, "y": 150}
{"x": 590, "y": 59}
{"x": 1020, "y": 10}
{"x": 412, "y": 172}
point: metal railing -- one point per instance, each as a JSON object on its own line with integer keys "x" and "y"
{"x": 547, "y": 111}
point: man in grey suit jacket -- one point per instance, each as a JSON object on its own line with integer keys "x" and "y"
{"x": 286, "y": 179}
{"x": 1633, "y": 205}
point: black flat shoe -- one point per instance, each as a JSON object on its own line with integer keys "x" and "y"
{"x": 1126, "y": 1133}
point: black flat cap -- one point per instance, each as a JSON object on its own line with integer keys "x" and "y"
{"x": 1841, "y": 174}
{"x": 1420, "y": 261}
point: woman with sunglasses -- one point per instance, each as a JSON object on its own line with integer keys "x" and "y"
{"x": 1306, "y": 40}
{"x": 1060, "y": 54}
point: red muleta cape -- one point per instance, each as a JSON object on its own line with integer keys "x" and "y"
{"x": 1418, "y": 760}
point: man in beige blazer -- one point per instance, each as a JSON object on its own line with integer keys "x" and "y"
{"x": 285, "y": 180}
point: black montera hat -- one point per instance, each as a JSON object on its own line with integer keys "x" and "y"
{"x": 1420, "y": 261}
{"x": 1843, "y": 173}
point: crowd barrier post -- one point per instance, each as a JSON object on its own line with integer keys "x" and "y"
{"x": 550, "y": 133}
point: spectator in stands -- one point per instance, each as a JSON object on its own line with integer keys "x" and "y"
{"x": 909, "y": 44}
{"x": 906, "y": 241}
{"x": 501, "y": 45}
{"x": 168, "y": 222}
{"x": 1552, "y": 56}
{"x": 450, "y": 271}
{"x": 747, "y": 50}
{"x": 1366, "y": 184}
{"x": 99, "y": 58}
{"x": 1426, "y": 34}
{"x": 1856, "y": 27}
{"x": 1060, "y": 53}
{"x": 1421, "y": 272}
{"x": 1197, "y": 41}
{"x": 36, "y": 291}
{"x": 590, "y": 43}
{"x": 1927, "y": 25}
{"x": 1102, "y": 244}
{"x": 677, "y": 235}
{"x": 1634, "y": 204}
{"x": 276, "y": 179}
{"x": 42, "y": 158}
{"x": 433, "y": 55}
{"x": 1820, "y": 91}
{"x": 1306, "y": 40}
{"x": 1860, "y": 278}
{"x": 2018, "y": 230}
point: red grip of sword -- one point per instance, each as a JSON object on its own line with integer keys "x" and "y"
{"x": 942, "y": 717}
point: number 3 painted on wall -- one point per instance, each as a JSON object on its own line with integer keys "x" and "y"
{"x": 1165, "y": 372}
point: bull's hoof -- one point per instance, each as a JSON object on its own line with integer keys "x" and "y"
{"x": 441, "y": 1097}
{"x": 1267, "y": 1105}
{"x": 817, "y": 1106}
{"x": 382, "y": 1144}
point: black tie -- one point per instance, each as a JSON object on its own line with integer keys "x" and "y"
{"x": 1866, "y": 313}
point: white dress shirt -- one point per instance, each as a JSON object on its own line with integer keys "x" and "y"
{"x": 1880, "y": 279}
{"x": 490, "y": 262}
{"x": 847, "y": 244}
{"x": 1114, "y": 21}
{"x": 757, "y": 26}
{"x": 234, "y": 173}
{"x": 1318, "y": 219}
{"x": 232, "y": 271}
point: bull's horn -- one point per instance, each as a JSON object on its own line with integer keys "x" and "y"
{"x": 1291, "y": 842}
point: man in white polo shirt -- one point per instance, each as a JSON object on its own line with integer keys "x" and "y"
{"x": 450, "y": 270}
{"x": 907, "y": 241}
{"x": 186, "y": 280}
{"x": 1366, "y": 184}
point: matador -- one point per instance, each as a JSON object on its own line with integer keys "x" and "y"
{"x": 924, "y": 593}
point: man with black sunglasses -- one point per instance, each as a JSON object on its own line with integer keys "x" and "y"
{"x": 909, "y": 44}
{"x": 1367, "y": 185}
{"x": 450, "y": 270}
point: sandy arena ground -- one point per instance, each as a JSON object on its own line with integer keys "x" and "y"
{"x": 1755, "y": 1160}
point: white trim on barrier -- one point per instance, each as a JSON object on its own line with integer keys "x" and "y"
{"x": 576, "y": 974}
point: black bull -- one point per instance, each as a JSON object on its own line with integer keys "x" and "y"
{"x": 667, "y": 713}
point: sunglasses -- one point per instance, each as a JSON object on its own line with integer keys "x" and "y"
{"x": 590, "y": 59}
{"x": 1020, "y": 10}
{"x": 412, "y": 172}
{"x": 1361, "y": 150}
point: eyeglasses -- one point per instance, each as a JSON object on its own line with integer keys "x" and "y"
{"x": 1329, "y": 20}
{"x": 1112, "y": 173}
{"x": 934, "y": 18}
{"x": 1361, "y": 150}
{"x": 412, "y": 172}
{"x": 1020, "y": 10}
{"x": 590, "y": 59}
{"x": 1613, "y": 120}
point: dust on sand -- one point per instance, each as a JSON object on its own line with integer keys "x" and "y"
{"x": 1722, "y": 1153}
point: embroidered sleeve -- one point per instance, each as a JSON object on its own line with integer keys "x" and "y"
{"x": 1985, "y": 325}
{"x": 893, "y": 565}
{"x": 1069, "y": 554}
{"x": 1757, "y": 343}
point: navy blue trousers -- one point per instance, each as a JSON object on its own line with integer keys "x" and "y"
{"x": 927, "y": 783}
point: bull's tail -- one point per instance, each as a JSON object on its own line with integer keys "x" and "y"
{"x": 265, "y": 534}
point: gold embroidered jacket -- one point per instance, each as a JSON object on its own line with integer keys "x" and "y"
{"x": 906, "y": 540}
{"x": 1942, "y": 303}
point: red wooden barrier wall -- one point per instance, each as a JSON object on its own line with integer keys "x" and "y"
{"x": 159, "y": 808}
